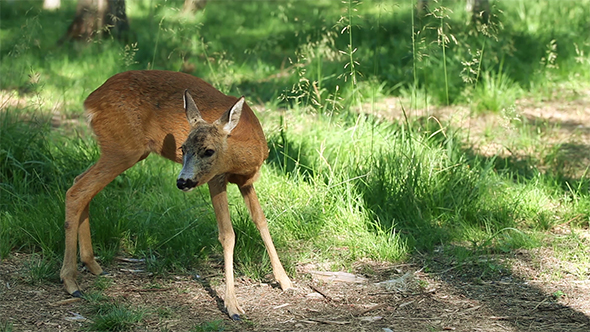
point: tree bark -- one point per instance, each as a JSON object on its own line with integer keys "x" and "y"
{"x": 98, "y": 18}
{"x": 194, "y": 5}
{"x": 422, "y": 7}
{"x": 480, "y": 10}
{"x": 116, "y": 19}
{"x": 51, "y": 4}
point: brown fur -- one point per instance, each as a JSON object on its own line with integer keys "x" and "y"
{"x": 136, "y": 113}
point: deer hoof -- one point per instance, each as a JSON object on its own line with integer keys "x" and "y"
{"x": 77, "y": 294}
{"x": 236, "y": 317}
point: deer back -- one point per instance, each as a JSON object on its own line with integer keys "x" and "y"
{"x": 144, "y": 110}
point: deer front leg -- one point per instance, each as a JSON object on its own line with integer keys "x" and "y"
{"x": 249, "y": 195}
{"x": 217, "y": 189}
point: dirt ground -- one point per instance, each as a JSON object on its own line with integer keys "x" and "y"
{"x": 526, "y": 290}
{"x": 517, "y": 296}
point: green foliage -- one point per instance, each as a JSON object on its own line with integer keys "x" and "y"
{"x": 6, "y": 326}
{"x": 339, "y": 185}
{"x": 495, "y": 92}
{"x": 214, "y": 326}
{"x": 101, "y": 283}
{"x": 573, "y": 249}
{"x": 326, "y": 54}
{"x": 25, "y": 157}
{"x": 39, "y": 270}
{"x": 28, "y": 169}
{"x": 408, "y": 189}
{"x": 112, "y": 315}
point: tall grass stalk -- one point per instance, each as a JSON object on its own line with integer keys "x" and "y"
{"x": 443, "y": 42}
{"x": 151, "y": 64}
{"x": 351, "y": 50}
{"x": 414, "y": 60}
{"x": 351, "y": 65}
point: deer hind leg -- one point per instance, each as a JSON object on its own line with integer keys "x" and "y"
{"x": 77, "y": 226}
{"x": 85, "y": 243}
{"x": 249, "y": 195}
{"x": 217, "y": 189}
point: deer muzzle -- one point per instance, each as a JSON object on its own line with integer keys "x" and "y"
{"x": 185, "y": 184}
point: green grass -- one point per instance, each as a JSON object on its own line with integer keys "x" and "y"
{"x": 573, "y": 249}
{"x": 214, "y": 326}
{"x": 41, "y": 270}
{"x": 316, "y": 48}
{"x": 340, "y": 185}
{"x": 111, "y": 314}
{"x": 6, "y": 326}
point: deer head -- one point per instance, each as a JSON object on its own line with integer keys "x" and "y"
{"x": 205, "y": 149}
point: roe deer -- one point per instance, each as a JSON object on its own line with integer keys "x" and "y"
{"x": 216, "y": 137}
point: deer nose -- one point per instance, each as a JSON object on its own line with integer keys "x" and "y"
{"x": 185, "y": 184}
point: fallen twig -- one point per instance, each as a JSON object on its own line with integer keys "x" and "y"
{"x": 327, "y": 297}
{"x": 130, "y": 260}
{"x": 370, "y": 319}
{"x": 149, "y": 289}
{"x": 280, "y": 306}
{"x": 405, "y": 304}
{"x": 66, "y": 301}
{"x": 537, "y": 306}
{"x": 332, "y": 322}
{"x": 413, "y": 318}
{"x": 338, "y": 277}
{"x": 511, "y": 317}
{"x": 472, "y": 308}
{"x": 375, "y": 307}
{"x": 132, "y": 270}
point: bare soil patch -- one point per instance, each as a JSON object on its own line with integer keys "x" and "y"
{"x": 451, "y": 296}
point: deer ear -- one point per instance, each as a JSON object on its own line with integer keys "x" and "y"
{"x": 192, "y": 111}
{"x": 229, "y": 120}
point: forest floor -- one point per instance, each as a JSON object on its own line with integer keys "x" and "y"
{"x": 523, "y": 294}
{"x": 524, "y": 290}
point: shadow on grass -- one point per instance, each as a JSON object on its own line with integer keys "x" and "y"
{"x": 430, "y": 207}
{"x": 289, "y": 157}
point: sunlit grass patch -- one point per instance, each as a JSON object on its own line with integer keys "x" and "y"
{"x": 339, "y": 185}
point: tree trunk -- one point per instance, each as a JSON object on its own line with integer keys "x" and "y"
{"x": 97, "y": 17}
{"x": 51, "y": 4}
{"x": 422, "y": 8}
{"x": 116, "y": 22}
{"x": 480, "y": 10}
{"x": 194, "y": 5}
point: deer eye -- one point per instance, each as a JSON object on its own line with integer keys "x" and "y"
{"x": 209, "y": 153}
